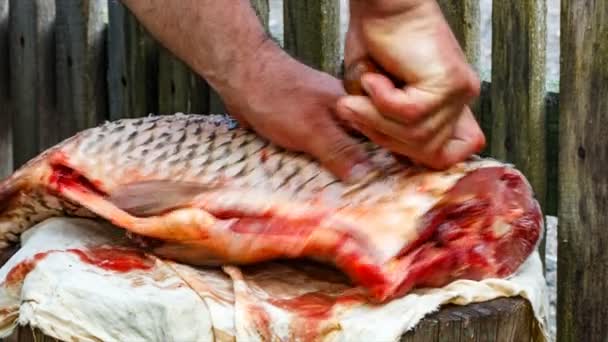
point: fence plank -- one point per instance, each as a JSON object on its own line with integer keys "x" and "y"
{"x": 463, "y": 18}
{"x": 133, "y": 65}
{"x": 179, "y": 88}
{"x": 583, "y": 212}
{"x": 518, "y": 89}
{"x": 6, "y": 137}
{"x": 81, "y": 65}
{"x": 312, "y": 32}
{"x": 32, "y": 77}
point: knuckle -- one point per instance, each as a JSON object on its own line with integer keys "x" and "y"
{"x": 462, "y": 81}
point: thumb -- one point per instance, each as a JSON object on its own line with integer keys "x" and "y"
{"x": 467, "y": 139}
{"x": 340, "y": 153}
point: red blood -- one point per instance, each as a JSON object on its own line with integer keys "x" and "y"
{"x": 65, "y": 177}
{"x": 115, "y": 259}
{"x": 108, "y": 258}
{"x": 263, "y": 155}
{"x": 313, "y": 309}
{"x": 22, "y": 269}
{"x": 261, "y": 321}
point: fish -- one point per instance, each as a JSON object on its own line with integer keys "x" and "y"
{"x": 205, "y": 191}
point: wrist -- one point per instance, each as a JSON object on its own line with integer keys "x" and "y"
{"x": 257, "y": 71}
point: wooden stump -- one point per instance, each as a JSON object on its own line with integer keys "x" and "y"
{"x": 499, "y": 320}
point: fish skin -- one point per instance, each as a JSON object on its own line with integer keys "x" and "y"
{"x": 144, "y": 175}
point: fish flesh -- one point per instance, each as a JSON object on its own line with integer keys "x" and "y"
{"x": 200, "y": 189}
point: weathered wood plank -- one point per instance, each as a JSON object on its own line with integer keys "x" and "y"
{"x": 582, "y": 303}
{"x": 503, "y": 319}
{"x": 312, "y": 32}
{"x": 179, "y": 88}
{"x": 464, "y": 18}
{"x": 6, "y": 115}
{"x": 133, "y": 65}
{"x": 81, "y": 65}
{"x": 32, "y": 73}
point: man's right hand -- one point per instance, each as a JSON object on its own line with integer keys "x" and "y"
{"x": 428, "y": 119}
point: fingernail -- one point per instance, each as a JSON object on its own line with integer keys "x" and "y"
{"x": 359, "y": 172}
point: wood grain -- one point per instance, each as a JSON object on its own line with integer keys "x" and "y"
{"x": 502, "y": 319}
{"x": 6, "y": 115}
{"x": 32, "y": 77}
{"x": 582, "y": 302}
{"x": 312, "y": 33}
{"x": 81, "y": 65}
{"x": 132, "y": 67}
{"x": 179, "y": 88}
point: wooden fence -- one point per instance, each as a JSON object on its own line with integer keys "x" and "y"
{"x": 66, "y": 65}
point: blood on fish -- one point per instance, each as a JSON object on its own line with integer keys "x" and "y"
{"x": 65, "y": 177}
{"x": 263, "y": 155}
{"x": 114, "y": 259}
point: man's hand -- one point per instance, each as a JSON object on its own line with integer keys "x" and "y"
{"x": 262, "y": 86}
{"x": 428, "y": 119}
{"x": 294, "y": 106}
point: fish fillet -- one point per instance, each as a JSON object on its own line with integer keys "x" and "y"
{"x": 204, "y": 191}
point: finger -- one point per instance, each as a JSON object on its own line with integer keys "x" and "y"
{"x": 467, "y": 139}
{"x": 353, "y": 47}
{"x": 360, "y": 110}
{"x": 437, "y": 141}
{"x": 340, "y": 154}
{"x": 409, "y": 105}
{"x": 383, "y": 140}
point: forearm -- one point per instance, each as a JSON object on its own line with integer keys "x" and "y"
{"x": 217, "y": 39}
{"x": 390, "y": 7}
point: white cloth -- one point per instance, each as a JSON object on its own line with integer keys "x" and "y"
{"x": 68, "y": 298}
